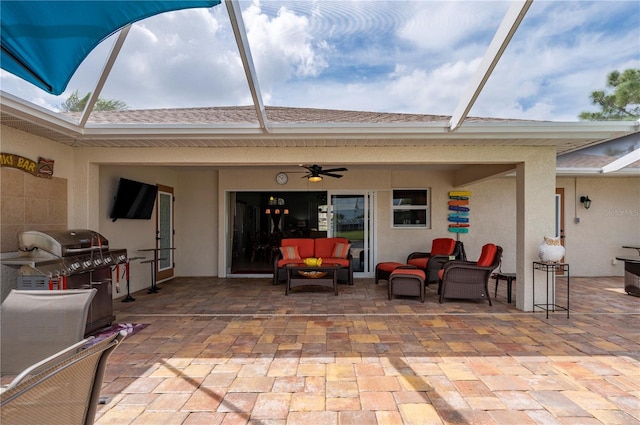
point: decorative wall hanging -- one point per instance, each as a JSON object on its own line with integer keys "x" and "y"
{"x": 459, "y": 211}
{"x": 42, "y": 168}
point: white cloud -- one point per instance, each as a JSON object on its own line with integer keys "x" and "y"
{"x": 282, "y": 46}
{"x": 415, "y": 56}
{"x": 443, "y": 26}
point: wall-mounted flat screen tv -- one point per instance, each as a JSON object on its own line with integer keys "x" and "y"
{"x": 134, "y": 200}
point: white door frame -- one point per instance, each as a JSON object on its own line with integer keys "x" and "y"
{"x": 369, "y": 209}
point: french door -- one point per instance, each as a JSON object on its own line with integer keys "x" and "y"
{"x": 165, "y": 233}
{"x": 350, "y": 215}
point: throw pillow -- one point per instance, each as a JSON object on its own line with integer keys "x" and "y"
{"x": 290, "y": 252}
{"x": 341, "y": 250}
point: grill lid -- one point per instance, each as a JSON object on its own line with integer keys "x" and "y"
{"x": 63, "y": 243}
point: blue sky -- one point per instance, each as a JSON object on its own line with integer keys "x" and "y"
{"x": 386, "y": 56}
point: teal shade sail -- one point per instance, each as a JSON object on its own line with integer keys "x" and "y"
{"x": 44, "y": 42}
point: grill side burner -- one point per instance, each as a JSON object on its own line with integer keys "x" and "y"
{"x": 80, "y": 258}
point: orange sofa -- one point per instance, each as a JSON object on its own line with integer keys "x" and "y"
{"x": 331, "y": 250}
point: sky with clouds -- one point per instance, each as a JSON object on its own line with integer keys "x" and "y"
{"x": 379, "y": 56}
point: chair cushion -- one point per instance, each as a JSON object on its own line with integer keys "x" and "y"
{"x": 290, "y": 252}
{"x": 324, "y": 246}
{"x": 440, "y": 273}
{"x": 420, "y": 263}
{"x": 442, "y": 246}
{"x": 487, "y": 255}
{"x": 389, "y": 266}
{"x": 408, "y": 272}
{"x": 305, "y": 246}
{"x": 341, "y": 250}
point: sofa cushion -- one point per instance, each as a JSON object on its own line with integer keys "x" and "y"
{"x": 283, "y": 262}
{"x": 487, "y": 255}
{"x": 290, "y": 252}
{"x": 305, "y": 246}
{"x": 442, "y": 246}
{"x": 324, "y": 246}
{"x": 342, "y": 261}
{"x": 341, "y": 250}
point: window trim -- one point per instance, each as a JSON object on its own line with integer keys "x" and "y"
{"x": 409, "y": 207}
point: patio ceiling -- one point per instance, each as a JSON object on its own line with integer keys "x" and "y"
{"x": 303, "y": 126}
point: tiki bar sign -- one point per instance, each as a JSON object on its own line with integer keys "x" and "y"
{"x": 42, "y": 168}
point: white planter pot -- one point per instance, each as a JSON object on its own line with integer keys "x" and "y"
{"x": 551, "y": 250}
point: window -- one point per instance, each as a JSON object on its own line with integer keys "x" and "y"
{"x": 411, "y": 208}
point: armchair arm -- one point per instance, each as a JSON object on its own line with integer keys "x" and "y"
{"x": 418, "y": 255}
{"x": 465, "y": 270}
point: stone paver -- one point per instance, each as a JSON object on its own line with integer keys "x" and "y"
{"x": 237, "y": 351}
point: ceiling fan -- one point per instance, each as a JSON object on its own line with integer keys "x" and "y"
{"x": 315, "y": 172}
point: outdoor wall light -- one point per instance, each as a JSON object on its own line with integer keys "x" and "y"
{"x": 315, "y": 179}
{"x": 584, "y": 200}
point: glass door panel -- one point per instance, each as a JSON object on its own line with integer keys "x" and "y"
{"x": 164, "y": 245}
{"x": 350, "y": 217}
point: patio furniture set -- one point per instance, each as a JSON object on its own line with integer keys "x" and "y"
{"x": 447, "y": 265}
{"x": 308, "y": 261}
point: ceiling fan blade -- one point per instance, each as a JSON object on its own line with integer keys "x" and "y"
{"x": 334, "y": 169}
{"x": 337, "y": 176}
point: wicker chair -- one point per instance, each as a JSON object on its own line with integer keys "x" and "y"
{"x": 67, "y": 391}
{"x": 38, "y": 324}
{"x": 469, "y": 279}
{"x": 442, "y": 251}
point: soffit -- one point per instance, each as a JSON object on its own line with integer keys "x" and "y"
{"x": 298, "y": 127}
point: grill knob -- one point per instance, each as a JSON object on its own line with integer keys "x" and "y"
{"x": 86, "y": 263}
{"x": 108, "y": 260}
{"x": 97, "y": 261}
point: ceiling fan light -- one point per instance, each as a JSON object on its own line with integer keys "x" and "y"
{"x": 315, "y": 179}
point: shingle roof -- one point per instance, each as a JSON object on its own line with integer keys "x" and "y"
{"x": 280, "y": 115}
{"x": 581, "y": 160}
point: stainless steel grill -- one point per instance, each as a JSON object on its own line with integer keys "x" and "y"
{"x": 70, "y": 259}
{"x": 64, "y": 252}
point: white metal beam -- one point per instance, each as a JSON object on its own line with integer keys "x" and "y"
{"x": 240, "y": 33}
{"x": 622, "y": 162}
{"x": 501, "y": 39}
{"x": 108, "y": 66}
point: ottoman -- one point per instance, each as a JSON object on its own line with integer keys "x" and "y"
{"x": 383, "y": 270}
{"x": 407, "y": 281}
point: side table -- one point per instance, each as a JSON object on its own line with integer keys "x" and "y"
{"x": 329, "y": 280}
{"x": 550, "y": 269}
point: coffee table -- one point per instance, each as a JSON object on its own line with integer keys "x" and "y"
{"x": 303, "y": 275}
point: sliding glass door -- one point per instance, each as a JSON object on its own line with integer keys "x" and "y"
{"x": 349, "y": 215}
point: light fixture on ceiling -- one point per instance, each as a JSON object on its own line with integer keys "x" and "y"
{"x": 584, "y": 200}
{"x": 315, "y": 179}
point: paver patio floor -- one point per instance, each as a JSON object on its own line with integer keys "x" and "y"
{"x": 238, "y": 351}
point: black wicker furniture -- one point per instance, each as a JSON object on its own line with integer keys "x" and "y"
{"x": 442, "y": 251}
{"x": 470, "y": 279}
{"x": 407, "y": 281}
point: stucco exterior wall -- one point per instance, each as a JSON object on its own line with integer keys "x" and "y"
{"x": 202, "y": 179}
{"x": 197, "y": 220}
{"x": 612, "y": 221}
{"x": 40, "y": 204}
